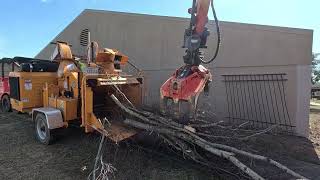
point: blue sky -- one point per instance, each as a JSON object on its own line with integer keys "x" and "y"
{"x": 27, "y": 26}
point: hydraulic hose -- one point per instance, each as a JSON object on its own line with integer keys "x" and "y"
{"x": 218, "y": 34}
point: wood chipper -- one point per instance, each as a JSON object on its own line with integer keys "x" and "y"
{"x": 77, "y": 91}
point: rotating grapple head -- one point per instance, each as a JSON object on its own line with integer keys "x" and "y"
{"x": 179, "y": 94}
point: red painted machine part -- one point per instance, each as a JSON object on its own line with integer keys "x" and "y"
{"x": 188, "y": 87}
{"x": 4, "y": 86}
{"x": 202, "y": 15}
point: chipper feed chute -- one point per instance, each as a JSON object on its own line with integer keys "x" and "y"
{"x": 98, "y": 110}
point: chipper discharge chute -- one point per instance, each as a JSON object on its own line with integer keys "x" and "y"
{"x": 78, "y": 92}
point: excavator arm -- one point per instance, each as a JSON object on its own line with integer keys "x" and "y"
{"x": 202, "y": 9}
{"x": 196, "y": 35}
{"x": 180, "y": 93}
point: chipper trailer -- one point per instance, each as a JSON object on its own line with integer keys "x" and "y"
{"x": 77, "y": 92}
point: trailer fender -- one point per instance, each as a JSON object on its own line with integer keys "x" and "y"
{"x": 53, "y": 116}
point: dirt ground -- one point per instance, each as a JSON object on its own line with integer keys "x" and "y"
{"x": 72, "y": 155}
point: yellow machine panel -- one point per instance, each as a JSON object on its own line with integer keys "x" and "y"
{"x": 17, "y": 105}
{"x": 68, "y": 107}
{"x": 29, "y": 86}
{"x": 49, "y": 94}
{"x": 53, "y": 102}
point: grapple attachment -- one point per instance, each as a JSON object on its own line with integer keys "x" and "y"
{"x": 179, "y": 94}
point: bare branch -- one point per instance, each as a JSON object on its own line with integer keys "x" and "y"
{"x": 260, "y": 133}
{"x": 176, "y": 133}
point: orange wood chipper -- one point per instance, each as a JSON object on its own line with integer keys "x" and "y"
{"x": 77, "y": 91}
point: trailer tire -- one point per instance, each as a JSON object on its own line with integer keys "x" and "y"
{"x": 42, "y": 132}
{"x": 5, "y": 104}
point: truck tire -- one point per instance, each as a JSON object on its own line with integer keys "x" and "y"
{"x": 5, "y": 104}
{"x": 43, "y": 133}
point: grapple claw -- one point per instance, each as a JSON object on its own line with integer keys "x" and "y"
{"x": 183, "y": 90}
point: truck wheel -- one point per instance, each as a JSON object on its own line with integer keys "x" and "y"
{"x": 42, "y": 131}
{"x": 5, "y": 104}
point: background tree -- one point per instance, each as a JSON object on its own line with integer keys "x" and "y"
{"x": 315, "y": 69}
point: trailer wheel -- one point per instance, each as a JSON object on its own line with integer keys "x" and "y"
{"x": 5, "y": 104}
{"x": 43, "y": 133}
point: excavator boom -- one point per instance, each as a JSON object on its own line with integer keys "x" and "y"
{"x": 180, "y": 93}
{"x": 202, "y": 15}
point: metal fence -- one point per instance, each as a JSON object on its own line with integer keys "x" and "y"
{"x": 259, "y": 99}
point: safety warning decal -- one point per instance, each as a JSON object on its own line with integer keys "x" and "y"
{"x": 28, "y": 84}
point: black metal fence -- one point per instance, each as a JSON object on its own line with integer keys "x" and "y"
{"x": 259, "y": 99}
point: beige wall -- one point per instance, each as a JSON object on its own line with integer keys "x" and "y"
{"x": 153, "y": 43}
